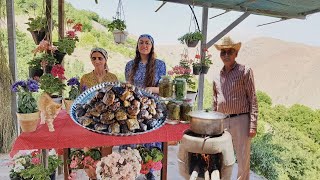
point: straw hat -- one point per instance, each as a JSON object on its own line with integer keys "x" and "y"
{"x": 227, "y": 43}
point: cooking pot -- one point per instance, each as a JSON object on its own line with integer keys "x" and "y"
{"x": 207, "y": 122}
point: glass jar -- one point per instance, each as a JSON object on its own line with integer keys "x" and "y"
{"x": 173, "y": 110}
{"x": 180, "y": 88}
{"x": 185, "y": 108}
{"x": 165, "y": 87}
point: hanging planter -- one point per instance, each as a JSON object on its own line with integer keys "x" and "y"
{"x": 120, "y": 37}
{"x": 59, "y": 56}
{"x": 37, "y": 27}
{"x": 192, "y": 43}
{"x": 118, "y": 26}
{"x": 204, "y": 69}
{"x": 35, "y": 72}
{"x": 196, "y": 69}
{"x": 38, "y": 36}
{"x": 191, "y": 38}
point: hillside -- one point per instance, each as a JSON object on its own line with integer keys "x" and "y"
{"x": 284, "y": 70}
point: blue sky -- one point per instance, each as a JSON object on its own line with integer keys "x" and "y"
{"x": 172, "y": 21}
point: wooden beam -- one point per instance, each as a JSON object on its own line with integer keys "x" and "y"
{"x": 61, "y": 18}
{"x": 12, "y": 56}
{"x": 228, "y": 29}
{"x": 49, "y": 20}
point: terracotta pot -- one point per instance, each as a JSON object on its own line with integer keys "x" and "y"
{"x": 67, "y": 104}
{"x": 120, "y": 36}
{"x": 28, "y": 121}
{"x": 91, "y": 173}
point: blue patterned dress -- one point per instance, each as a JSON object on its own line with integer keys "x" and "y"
{"x": 139, "y": 81}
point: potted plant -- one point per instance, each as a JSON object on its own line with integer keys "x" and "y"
{"x": 27, "y": 165}
{"x": 52, "y": 83}
{"x": 191, "y": 38}
{"x": 67, "y": 44}
{"x": 196, "y": 65}
{"x": 151, "y": 161}
{"x": 73, "y": 93}
{"x": 207, "y": 62}
{"x": 85, "y": 160}
{"x": 35, "y": 68}
{"x": 117, "y": 27}
{"x": 27, "y": 114}
{"x": 37, "y": 27}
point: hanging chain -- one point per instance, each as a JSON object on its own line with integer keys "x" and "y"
{"x": 120, "y": 11}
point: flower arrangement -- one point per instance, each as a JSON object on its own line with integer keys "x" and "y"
{"x": 199, "y": 66}
{"x": 26, "y": 102}
{"x": 52, "y": 83}
{"x": 151, "y": 159}
{"x": 125, "y": 165}
{"x": 67, "y": 44}
{"x": 36, "y": 62}
{"x": 75, "y": 88}
{"x": 27, "y": 165}
{"x": 183, "y": 70}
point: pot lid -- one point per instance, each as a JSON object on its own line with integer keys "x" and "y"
{"x": 205, "y": 114}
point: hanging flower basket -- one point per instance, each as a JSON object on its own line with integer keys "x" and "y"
{"x": 196, "y": 69}
{"x": 28, "y": 121}
{"x": 192, "y": 43}
{"x": 59, "y": 56}
{"x": 204, "y": 69}
{"x": 35, "y": 72}
{"x": 38, "y": 36}
{"x": 120, "y": 37}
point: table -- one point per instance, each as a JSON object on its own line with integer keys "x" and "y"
{"x": 68, "y": 134}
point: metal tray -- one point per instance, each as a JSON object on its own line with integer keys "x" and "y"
{"x": 89, "y": 94}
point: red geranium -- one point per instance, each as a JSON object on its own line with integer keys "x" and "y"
{"x": 58, "y": 71}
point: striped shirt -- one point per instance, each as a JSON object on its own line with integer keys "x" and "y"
{"x": 235, "y": 93}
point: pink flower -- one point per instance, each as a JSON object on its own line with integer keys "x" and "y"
{"x": 73, "y": 164}
{"x": 35, "y": 160}
{"x": 157, "y": 166}
{"x": 72, "y": 176}
{"x": 58, "y": 71}
{"x": 71, "y": 34}
{"x": 198, "y": 56}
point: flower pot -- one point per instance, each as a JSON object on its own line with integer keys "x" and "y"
{"x": 196, "y": 70}
{"x": 120, "y": 36}
{"x": 67, "y": 103}
{"x": 57, "y": 98}
{"x": 150, "y": 176}
{"x": 204, "y": 69}
{"x": 192, "y": 95}
{"x": 91, "y": 173}
{"x": 33, "y": 72}
{"x": 53, "y": 176}
{"x": 59, "y": 56}
{"x": 28, "y": 121}
{"x": 38, "y": 36}
{"x": 192, "y": 43}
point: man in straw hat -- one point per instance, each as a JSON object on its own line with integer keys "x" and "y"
{"x": 234, "y": 94}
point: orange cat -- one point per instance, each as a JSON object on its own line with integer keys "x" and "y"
{"x": 48, "y": 110}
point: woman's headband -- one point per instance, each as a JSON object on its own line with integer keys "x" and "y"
{"x": 147, "y": 36}
{"x": 100, "y": 50}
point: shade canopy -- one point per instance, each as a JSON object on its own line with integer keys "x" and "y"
{"x": 285, "y": 9}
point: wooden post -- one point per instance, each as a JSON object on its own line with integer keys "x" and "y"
{"x": 66, "y": 153}
{"x": 164, "y": 161}
{"x": 12, "y": 57}
{"x": 61, "y": 18}
{"x": 49, "y": 20}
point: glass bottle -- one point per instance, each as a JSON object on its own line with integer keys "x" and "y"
{"x": 180, "y": 88}
{"x": 185, "y": 108}
{"x": 173, "y": 111}
{"x": 165, "y": 87}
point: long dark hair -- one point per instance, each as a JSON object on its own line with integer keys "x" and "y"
{"x": 150, "y": 70}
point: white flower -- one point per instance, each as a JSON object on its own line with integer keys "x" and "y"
{"x": 52, "y": 152}
{"x": 18, "y": 167}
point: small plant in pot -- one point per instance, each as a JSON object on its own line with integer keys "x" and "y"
{"x": 52, "y": 83}
{"x": 207, "y": 62}
{"x": 73, "y": 93}
{"x": 67, "y": 44}
{"x": 191, "y": 38}
{"x": 27, "y": 114}
{"x": 35, "y": 65}
{"x": 117, "y": 27}
{"x": 37, "y": 27}
{"x": 196, "y": 65}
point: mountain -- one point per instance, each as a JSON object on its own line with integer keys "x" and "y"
{"x": 286, "y": 71}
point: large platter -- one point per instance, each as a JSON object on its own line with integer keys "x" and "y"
{"x": 87, "y": 95}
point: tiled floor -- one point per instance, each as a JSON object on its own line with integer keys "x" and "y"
{"x": 173, "y": 169}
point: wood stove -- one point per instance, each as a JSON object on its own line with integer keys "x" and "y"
{"x": 206, "y": 157}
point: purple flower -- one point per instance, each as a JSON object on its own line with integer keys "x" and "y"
{"x": 32, "y": 85}
{"x": 73, "y": 81}
{"x": 84, "y": 87}
{"x": 16, "y": 85}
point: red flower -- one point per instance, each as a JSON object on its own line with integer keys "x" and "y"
{"x": 77, "y": 27}
{"x": 71, "y": 34}
{"x": 205, "y": 50}
{"x": 58, "y": 71}
{"x": 198, "y": 56}
{"x": 34, "y": 153}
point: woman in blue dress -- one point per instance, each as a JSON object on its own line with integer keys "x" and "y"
{"x": 145, "y": 70}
